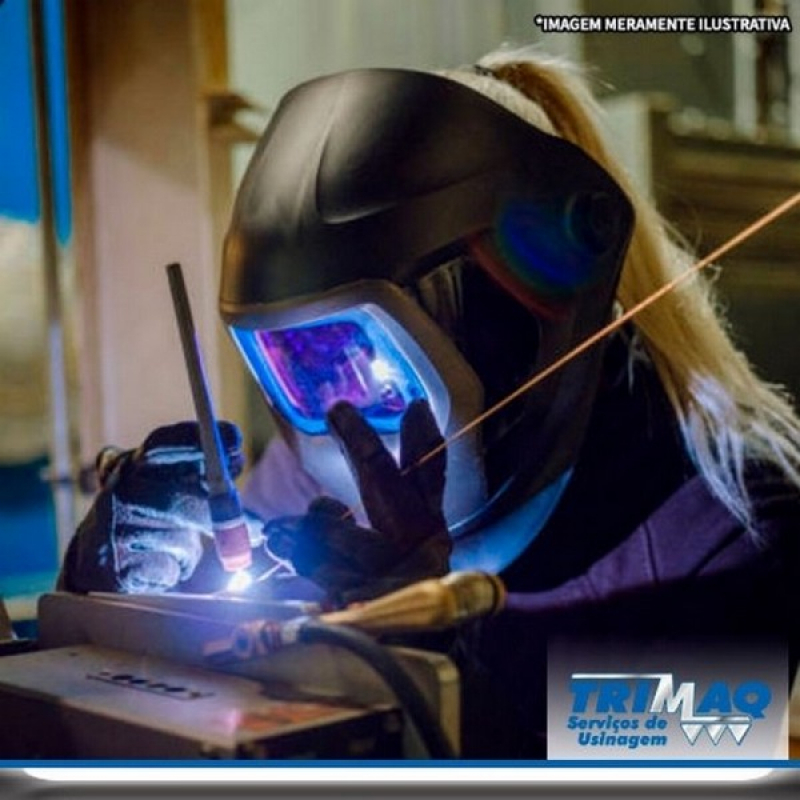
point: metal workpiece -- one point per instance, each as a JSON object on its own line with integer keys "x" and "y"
{"x": 90, "y": 702}
{"x": 179, "y": 629}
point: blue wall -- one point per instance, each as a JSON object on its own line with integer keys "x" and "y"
{"x": 27, "y": 526}
{"x": 19, "y": 195}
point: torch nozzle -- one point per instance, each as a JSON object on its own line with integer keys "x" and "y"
{"x": 231, "y": 536}
{"x": 232, "y": 543}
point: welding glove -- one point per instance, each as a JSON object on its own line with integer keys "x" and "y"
{"x": 408, "y": 539}
{"x": 149, "y": 525}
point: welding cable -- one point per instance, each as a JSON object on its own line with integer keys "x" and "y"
{"x": 376, "y": 656}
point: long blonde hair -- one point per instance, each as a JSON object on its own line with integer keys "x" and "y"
{"x": 728, "y": 416}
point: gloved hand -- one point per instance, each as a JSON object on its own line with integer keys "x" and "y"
{"x": 145, "y": 531}
{"x": 408, "y": 540}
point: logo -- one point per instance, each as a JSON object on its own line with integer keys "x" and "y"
{"x": 611, "y": 708}
{"x": 677, "y": 699}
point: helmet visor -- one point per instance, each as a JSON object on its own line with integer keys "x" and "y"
{"x": 346, "y": 356}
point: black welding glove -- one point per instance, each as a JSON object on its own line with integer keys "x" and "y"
{"x": 408, "y": 538}
{"x": 149, "y": 525}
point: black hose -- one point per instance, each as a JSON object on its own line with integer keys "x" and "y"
{"x": 378, "y": 657}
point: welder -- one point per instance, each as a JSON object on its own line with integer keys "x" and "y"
{"x": 406, "y": 251}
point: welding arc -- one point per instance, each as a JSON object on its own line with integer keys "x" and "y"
{"x": 617, "y": 323}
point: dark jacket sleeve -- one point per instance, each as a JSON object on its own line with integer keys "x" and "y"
{"x": 693, "y": 556}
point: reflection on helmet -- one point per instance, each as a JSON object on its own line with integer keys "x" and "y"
{"x": 399, "y": 235}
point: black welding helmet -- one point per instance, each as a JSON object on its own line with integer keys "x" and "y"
{"x": 398, "y": 235}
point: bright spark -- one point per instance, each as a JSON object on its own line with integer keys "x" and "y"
{"x": 239, "y": 581}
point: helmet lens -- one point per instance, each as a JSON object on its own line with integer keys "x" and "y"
{"x": 347, "y": 356}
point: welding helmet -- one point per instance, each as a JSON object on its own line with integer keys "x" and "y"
{"x": 398, "y": 235}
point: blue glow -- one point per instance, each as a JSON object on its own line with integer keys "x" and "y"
{"x": 493, "y": 548}
{"x": 239, "y": 581}
{"x": 19, "y": 192}
{"x": 536, "y": 246}
{"x": 345, "y": 356}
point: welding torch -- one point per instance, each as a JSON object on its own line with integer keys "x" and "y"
{"x": 228, "y": 524}
{"x": 428, "y": 605}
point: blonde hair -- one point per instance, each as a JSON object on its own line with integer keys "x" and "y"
{"x": 728, "y": 416}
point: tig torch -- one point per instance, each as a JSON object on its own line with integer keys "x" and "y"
{"x": 227, "y": 520}
{"x": 428, "y": 605}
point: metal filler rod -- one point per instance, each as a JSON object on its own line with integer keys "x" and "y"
{"x": 227, "y": 520}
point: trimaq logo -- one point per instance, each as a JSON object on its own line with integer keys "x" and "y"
{"x": 626, "y": 699}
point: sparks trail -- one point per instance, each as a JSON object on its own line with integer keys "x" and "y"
{"x": 737, "y": 239}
